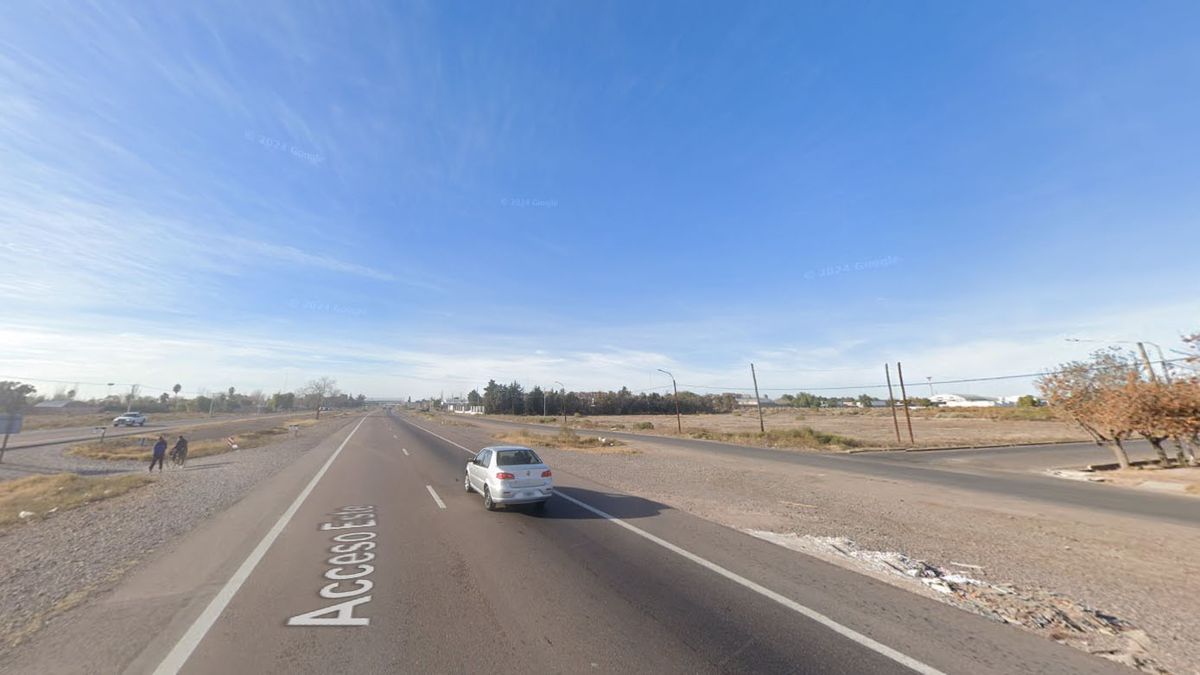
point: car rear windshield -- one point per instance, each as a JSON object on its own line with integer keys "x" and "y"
{"x": 516, "y": 458}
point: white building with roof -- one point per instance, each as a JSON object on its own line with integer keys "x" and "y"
{"x": 966, "y": 401}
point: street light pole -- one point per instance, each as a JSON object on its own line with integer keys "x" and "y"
{"x": 1142, "y": 350}
{"x": 678, "y": 419}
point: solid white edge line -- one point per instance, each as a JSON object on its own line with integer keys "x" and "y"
{"x": 187, "y": 644}
{"x": 844, "y": 631}
{"x": 820, "y": 618}
{"x": 441, "y": 504}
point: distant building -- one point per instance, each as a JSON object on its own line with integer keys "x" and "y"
{"x": 875, "y": 403}
{"x": 966, "y": 401}
{"x": 751, "y": 402}
{"x": 462, "y": 407}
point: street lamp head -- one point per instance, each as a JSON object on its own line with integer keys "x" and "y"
{"x": 665, "y": 371}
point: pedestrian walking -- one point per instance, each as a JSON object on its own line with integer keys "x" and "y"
{"x": 160, "y": 452}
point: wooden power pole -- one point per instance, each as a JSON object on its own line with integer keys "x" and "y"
{"x": 904, "y": 395}
{"x": 892, "y": 400}
{"x": 757, "y": 400}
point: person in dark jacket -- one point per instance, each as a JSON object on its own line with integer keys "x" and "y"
{"x": 179, "y": 452}
{"x": 160, "y": 451}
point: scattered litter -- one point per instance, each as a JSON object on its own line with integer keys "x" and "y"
{"x": 1051, "y": 614}
{"x": 798, "y": 504}
{"x": 26, "y": 514}
{"x": 1076, "y": 474}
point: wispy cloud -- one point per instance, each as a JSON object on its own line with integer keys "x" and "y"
{"x": 291, "y": 255}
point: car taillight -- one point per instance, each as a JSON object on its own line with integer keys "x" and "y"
{"x": 546, "y": 473}
{"x": 504, "y": 475}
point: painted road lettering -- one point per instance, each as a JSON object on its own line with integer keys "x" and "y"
{"x": 350, "y": 552}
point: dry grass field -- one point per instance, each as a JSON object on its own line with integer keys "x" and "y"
{"x": 41, "y": 495}
{"x": 139, "y": 447}
{"x": 835, "y": 429}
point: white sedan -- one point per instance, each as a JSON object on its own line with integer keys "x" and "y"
{"x": 509, "y": 474}
{"x": 129, "y": 419}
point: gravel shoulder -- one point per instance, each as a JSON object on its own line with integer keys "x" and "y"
{"x": 1144, "y": 573}
{"x": 55, "y": 564}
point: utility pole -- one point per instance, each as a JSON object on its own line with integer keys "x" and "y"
{"x": 132, "y": 392}
{"x": 1149, "y": 368}
{"x": 563, "y": 402}
{"x": 212, "y": 404}
{"x": 1141, "y": 345}
{"x": 904, "y": 395}
{"x": 678, "y": 419}
{"x": 543, "y": 403}
{"x": 1163, "y": 362}
{"x": 757, "y": 401}
{"x": 891, "y": 400}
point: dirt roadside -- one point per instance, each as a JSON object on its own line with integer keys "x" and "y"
{"x": 1141, "y": 574}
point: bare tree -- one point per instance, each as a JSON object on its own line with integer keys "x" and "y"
{"x": 318, "y": 390}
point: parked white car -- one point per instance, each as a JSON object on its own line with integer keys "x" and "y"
{"x": 509, "y": 474}
{"x": 129, "y": 419}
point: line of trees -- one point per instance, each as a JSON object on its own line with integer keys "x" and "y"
{"x": 513, "y": 399}
{"x": 321, "y": 392}
{"x": 1114, "y": 398}
{"x": 807, "y": 400}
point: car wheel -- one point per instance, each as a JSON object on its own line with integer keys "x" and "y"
{"x": 467, "y": 482}
{"x": 539, "y": 506}
{"x": 487, "y": 499}
{"x": 141, "y": 424}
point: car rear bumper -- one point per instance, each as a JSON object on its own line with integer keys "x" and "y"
{"x": 523, "y": 495}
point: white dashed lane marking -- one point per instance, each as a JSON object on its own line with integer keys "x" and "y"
{"x": 441, "y": 504}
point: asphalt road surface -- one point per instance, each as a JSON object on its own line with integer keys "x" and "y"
{"x": 598, "y": 582}
{"x": 41, "y": 437}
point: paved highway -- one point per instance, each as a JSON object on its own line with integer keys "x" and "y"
{"x": 600, "y": 582}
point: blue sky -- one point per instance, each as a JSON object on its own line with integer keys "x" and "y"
{"x": 413, "y": 198}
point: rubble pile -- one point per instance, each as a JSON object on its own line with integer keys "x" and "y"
{"x": 1050, "y": 614}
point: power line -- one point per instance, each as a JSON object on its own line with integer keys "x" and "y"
{"x": 884, "y": 386}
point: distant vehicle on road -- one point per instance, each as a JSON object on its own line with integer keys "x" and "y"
{"x": 509, "y": 474}
{"x": 129, "y": 419}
